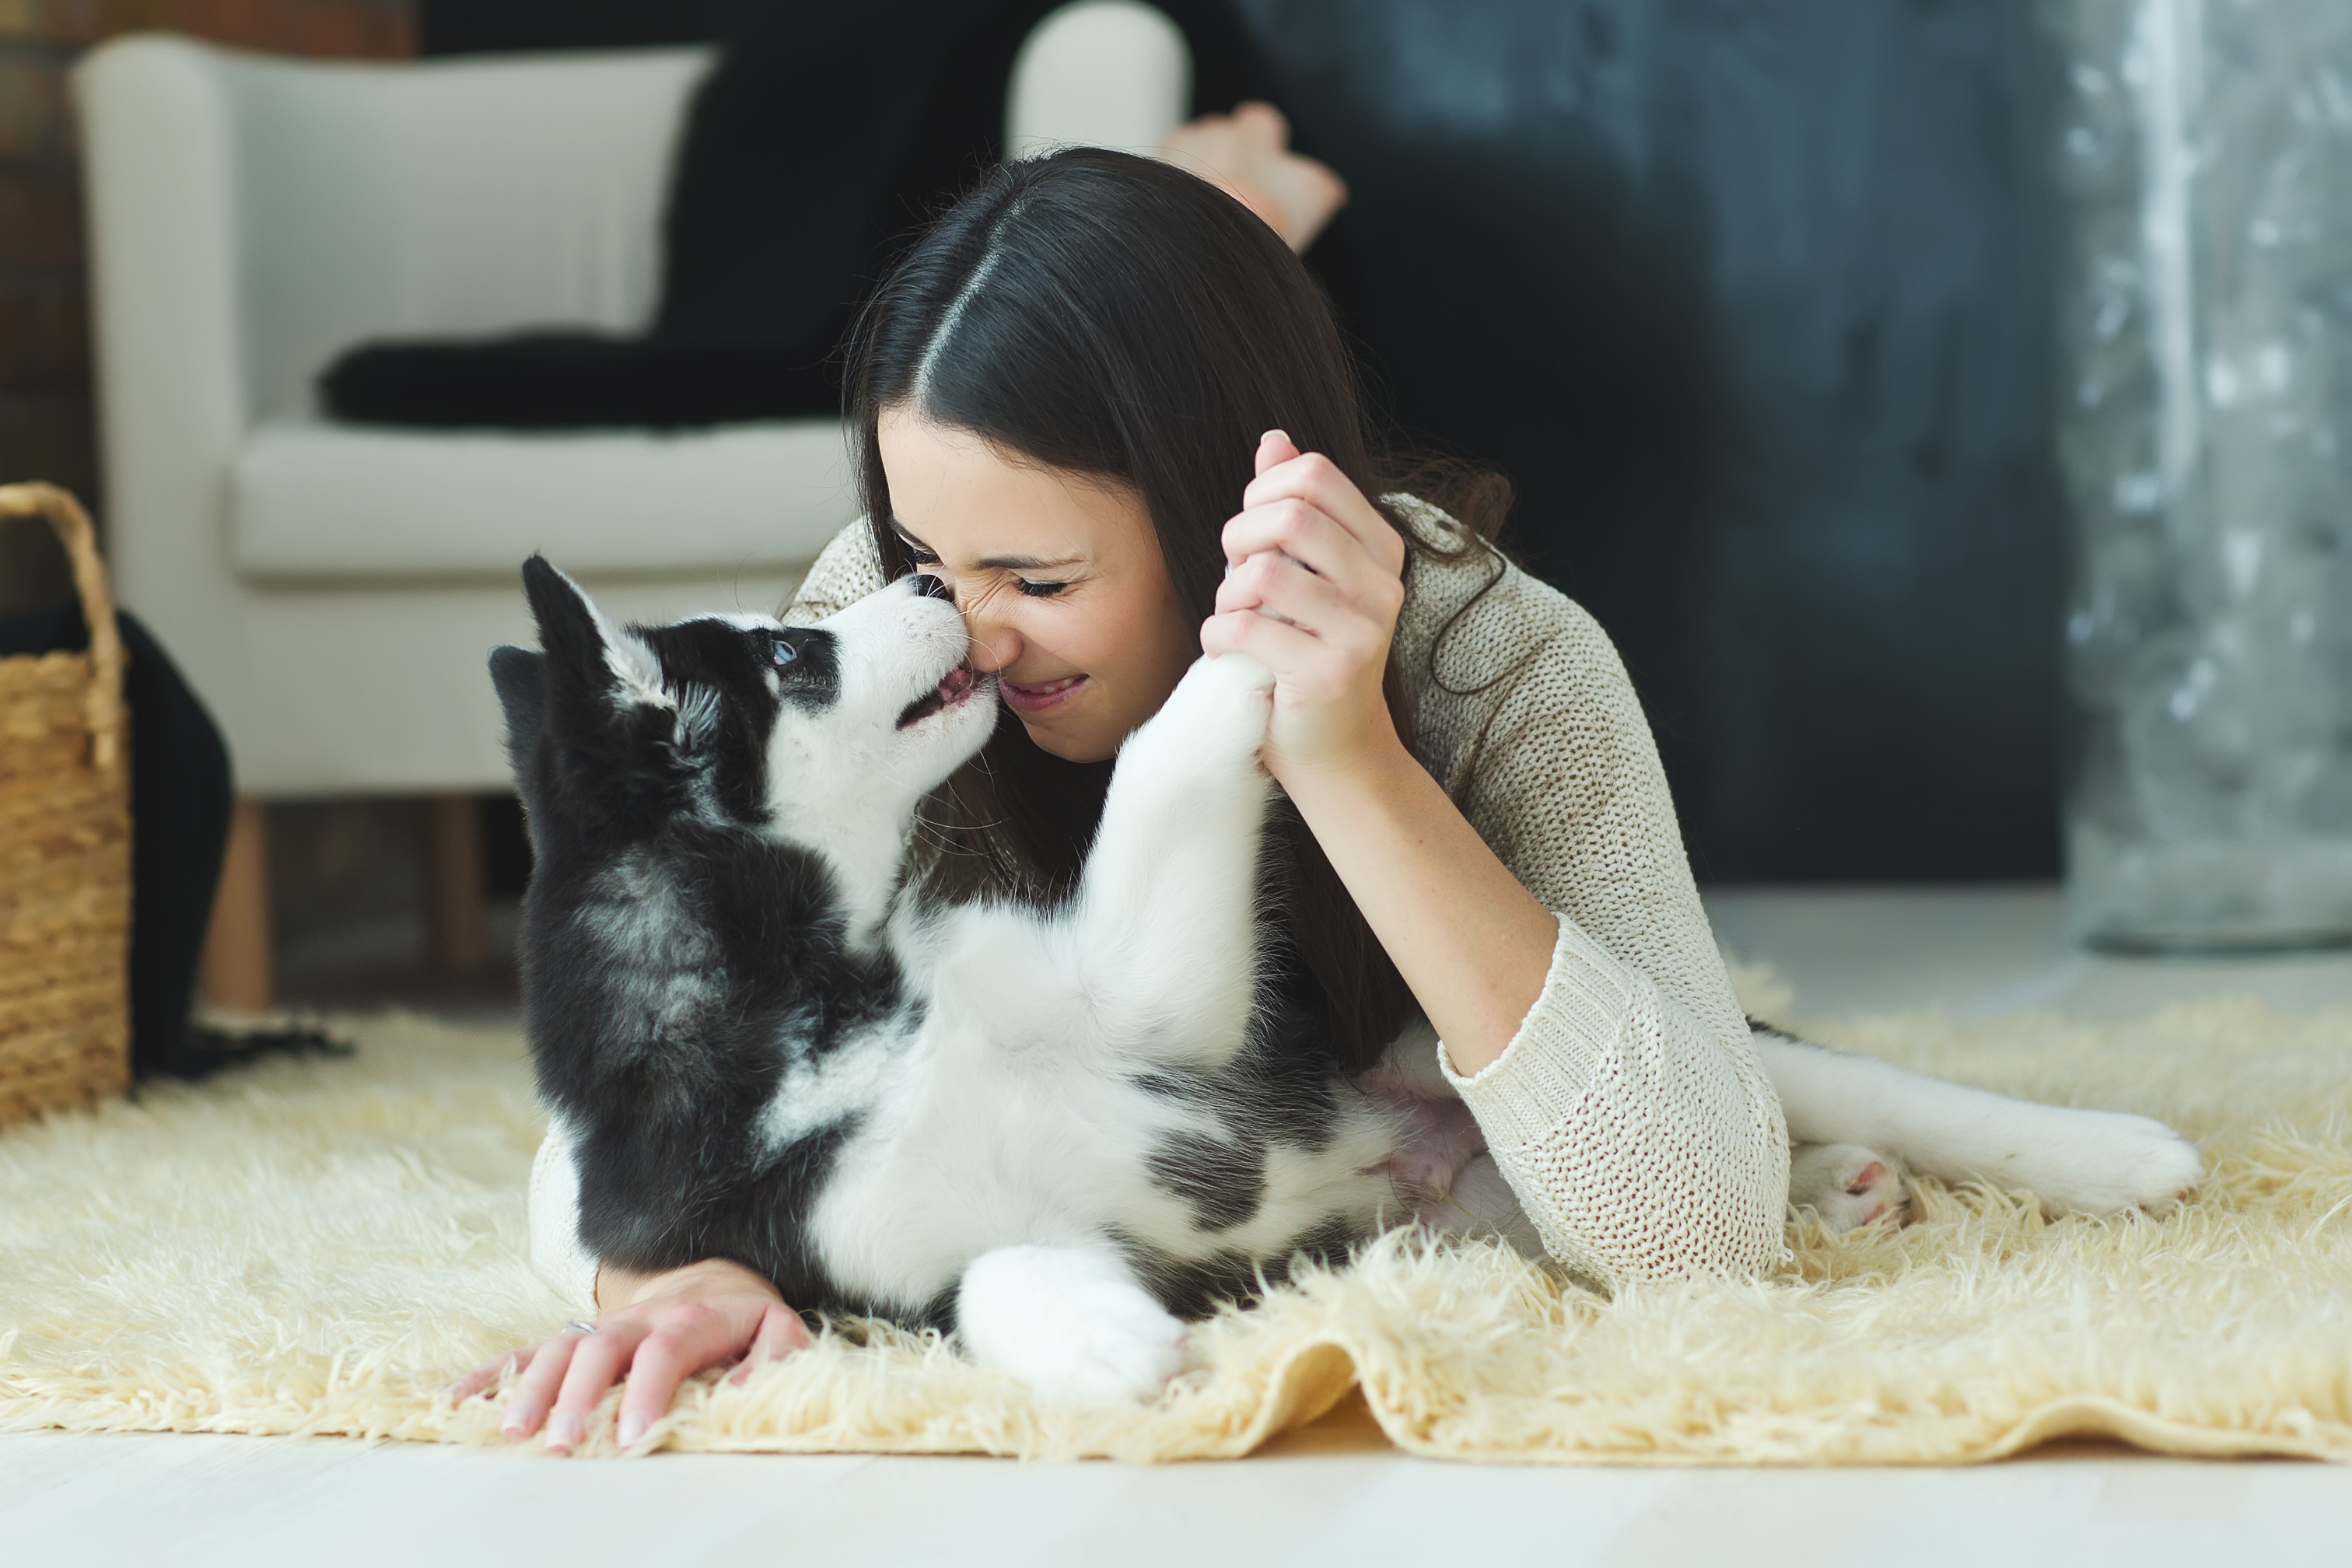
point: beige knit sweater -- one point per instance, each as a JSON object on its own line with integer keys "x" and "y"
{"x": 1630, "y": 1113}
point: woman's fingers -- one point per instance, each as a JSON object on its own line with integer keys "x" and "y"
{"x": 674, "y": 1324}
{"x": 781, "y": 1333}
{"x": 488, "y": 1374}
{"x": 1315, "y": 480}
{"x": 542, "y": 1374}
{"x": 596, "y": 1365}
{"x": 1360, "y": 616}
{"x": 1279, "y": 586}
{"x": 664, "y": 1359}
{"x": 1275, "y": 448}
{"x": 1309, "y": 536}
{"x": 1280, "y": 648}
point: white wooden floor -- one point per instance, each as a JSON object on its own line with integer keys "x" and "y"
{"x": 1332, "y": 1495}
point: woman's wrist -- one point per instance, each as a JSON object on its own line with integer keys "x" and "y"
{"x": 1472, "y": 944}
{"x": 1370, "y": 763}
{"x": 617, "y": 1287}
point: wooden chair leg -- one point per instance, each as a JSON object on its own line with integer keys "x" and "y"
{"x": 457, "y": 936}
{"x": 236, "y": 944}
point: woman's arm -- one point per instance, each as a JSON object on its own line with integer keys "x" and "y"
{"x": 1313, "y": 593}
{"x": 1623, "y": 1097}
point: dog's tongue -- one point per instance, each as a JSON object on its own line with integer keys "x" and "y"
{"x": 958, "y": 680}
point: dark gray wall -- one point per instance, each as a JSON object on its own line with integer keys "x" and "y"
{"x": 1751, "y": 300}
{"x": 1749, "y": 297}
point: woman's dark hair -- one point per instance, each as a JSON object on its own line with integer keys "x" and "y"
{"x": 1112, "y": 316}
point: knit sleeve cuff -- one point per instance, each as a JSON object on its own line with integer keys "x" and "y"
{"x": 1520, "y": 1097}
{"x": 556, "y": 1254}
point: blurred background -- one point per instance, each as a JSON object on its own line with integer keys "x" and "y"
{"x": 1754, "y": 303}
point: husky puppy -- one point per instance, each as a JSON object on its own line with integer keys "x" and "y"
{"x": 1060, "y": 1133}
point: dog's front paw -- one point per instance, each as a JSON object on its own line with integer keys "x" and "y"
{"x": 1072, "y": 1324}
{"x": 1846, "y": 1184}
{"x": 1218, "y": 711}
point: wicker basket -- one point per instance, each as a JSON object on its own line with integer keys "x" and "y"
{"x": 65, "y": 848}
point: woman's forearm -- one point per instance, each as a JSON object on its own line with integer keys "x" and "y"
{"x": 1473, "y": 944}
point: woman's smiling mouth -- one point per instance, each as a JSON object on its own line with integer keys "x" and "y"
{"x": 1041, "y": 697}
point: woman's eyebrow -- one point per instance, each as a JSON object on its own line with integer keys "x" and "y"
{"x": 991, "y": 562}
{"x": 1024, "y": 563}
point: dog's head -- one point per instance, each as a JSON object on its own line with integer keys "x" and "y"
{"x": 822, "y": 736}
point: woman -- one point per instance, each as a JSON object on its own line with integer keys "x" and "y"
{"x": 1059, "y": 397}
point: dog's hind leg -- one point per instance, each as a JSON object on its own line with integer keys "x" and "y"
{"x": 2085, "y": 1160}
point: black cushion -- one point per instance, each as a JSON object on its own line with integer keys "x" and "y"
{"x": 557, "y": 381}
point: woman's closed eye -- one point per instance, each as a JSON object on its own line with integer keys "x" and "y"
{"x": 1036, "y": 590}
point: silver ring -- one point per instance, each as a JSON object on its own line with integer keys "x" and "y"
{"x": 579, "y": 1327}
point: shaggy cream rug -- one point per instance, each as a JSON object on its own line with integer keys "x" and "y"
{"x": 320, "y": 1247}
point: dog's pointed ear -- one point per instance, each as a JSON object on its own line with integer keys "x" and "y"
{"x": 570, "y": 630}
{"x": 587, "y": 652}
{"x": 519, "y": 675}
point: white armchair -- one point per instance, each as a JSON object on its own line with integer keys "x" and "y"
{"x": 332, "y": 591}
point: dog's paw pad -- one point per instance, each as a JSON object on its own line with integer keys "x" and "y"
{"x": 1847, "y": 1186}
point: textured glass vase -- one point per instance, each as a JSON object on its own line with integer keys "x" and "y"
{"x": 2206, "y": 158}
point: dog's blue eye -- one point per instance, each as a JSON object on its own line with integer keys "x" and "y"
{"x": 785, "y": 653}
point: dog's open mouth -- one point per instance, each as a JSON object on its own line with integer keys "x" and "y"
{"x": 953, "y": 688}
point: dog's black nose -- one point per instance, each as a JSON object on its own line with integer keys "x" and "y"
{"x": 931, "y": 585}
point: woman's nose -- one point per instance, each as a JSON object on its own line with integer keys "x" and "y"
{"x": 993, "y": 645}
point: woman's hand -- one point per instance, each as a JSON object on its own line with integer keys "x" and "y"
{"x": 1246, "y": 154}
{"x": 669, "y": 1326}
{"x": 1313, "y": 584}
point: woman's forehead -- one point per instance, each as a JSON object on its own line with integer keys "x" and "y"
{"x": 959, "y": 494}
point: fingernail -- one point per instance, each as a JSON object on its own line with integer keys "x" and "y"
{"x": 633, "y": 1426}
{"x": 563, "y": 1433}
{"x": 517, "y": 1424}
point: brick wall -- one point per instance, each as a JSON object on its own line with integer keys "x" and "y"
{"x": 46, "y": 426}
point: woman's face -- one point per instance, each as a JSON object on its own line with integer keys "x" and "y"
{"x": 1059, "y": 578}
